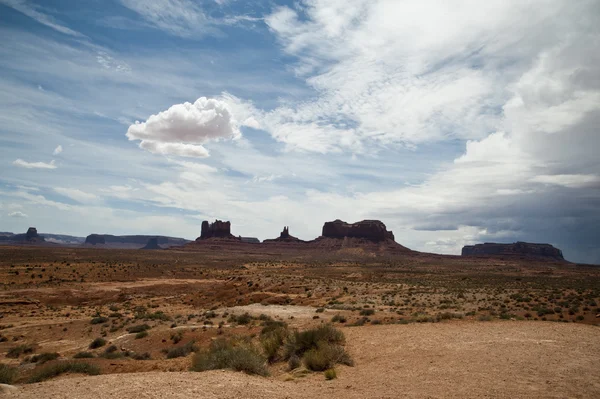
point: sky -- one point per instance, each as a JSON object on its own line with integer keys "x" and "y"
{"x": 454, "y": 123}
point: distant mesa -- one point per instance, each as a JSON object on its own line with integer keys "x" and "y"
{"x": 285, "y": 236}
{"x": 249, "y": 240}
{"x": 373, "y": 230}
{"x": 30, "y": 237}
{"x": 132, "y": 241}
{"x": 518, "y": 248}
{"x": 152, "y": 244}
{"x": 95, "y": 239}
{"x": 217, "y": 229}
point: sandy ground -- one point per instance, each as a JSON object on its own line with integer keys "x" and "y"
{"x": 508, "y": 359}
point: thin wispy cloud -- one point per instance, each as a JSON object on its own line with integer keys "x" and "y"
{"x": 34, "y": 165}
{"x": 36, "y": 12}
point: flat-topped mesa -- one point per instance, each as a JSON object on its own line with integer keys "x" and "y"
{"x": 95, "y": 239}
{"x": 373, "y": 230}
{"x": 218, "y": 229}
{"x": 517, "y": 248}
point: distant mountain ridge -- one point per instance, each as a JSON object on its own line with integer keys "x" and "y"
{"x": 108, "y": 239}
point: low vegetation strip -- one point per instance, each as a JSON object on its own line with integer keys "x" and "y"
{"x": 320, "y": 349}
{"x": 56, "y": 369}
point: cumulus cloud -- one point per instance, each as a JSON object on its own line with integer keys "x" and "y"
{"x": 34, "y": 165}
{"x": 57, "y": 150}
{"x": 76, "y": 194}
{"x": 17, "y": 214}
{"x": 182, "y": 128}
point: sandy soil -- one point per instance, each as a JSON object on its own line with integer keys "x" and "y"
{"x": 503, "y": 359}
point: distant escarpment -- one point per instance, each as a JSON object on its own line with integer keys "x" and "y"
{"x": 373, "y": 230}
{"x": 249, "y": 240}
{"x": 217, "y": 229}
{"x": 152, "y": 244}
{"x": 517, "y": 248}
{"x": 133, "y": 241}
{"x": 284, "y": 236}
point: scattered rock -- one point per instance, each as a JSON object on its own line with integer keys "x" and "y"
{"x": 517, "y": 248}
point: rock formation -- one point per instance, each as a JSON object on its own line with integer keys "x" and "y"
{"x": 95, "y": 239}
{"x": 517, "y": 248}
{"x": 373, "y": 230}
{"x": 152, "y": 244}
{"x": 285, "y": 236}
{"x": 31, "y": 236}
{"x": 218, "y": 229}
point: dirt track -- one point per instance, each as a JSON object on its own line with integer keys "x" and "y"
{"x": 444, "y": 360}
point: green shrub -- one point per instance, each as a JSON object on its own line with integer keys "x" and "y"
{"x": 224, "y": 354}
{"x": 138, "y": 328}
{"x": 153, "y": 316}
{"x": 301, "y": 342}
{"x": 99, "y": 320}
{"x": 7, "y": 374}
{"x": 330, "y": 374}
{"x": 241, "y": 319}
{"x": 44, "y": 357}
{"x": 177, "y": 337}
{"x": 294, "y": 362}
{"x": 17, "y": 351}
{"x": 141, "y": 334}
{"x": 325, "y": 357}
{"x": 338, "y": 318}
{"x": 320, "y": 310}
{"x": 141, "y": 356}
{"x": 367, "y": 312}
{"x": 83, "y": 355}
{"x": 56, "y": 369}
{"x": 97, "y": 343}
{"x": 272, "y": 338}
{"x": 181, "y": 351}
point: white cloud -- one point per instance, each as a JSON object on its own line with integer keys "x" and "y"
{"x": 405, "y": 73}
{"x": 178, "y": 17}
{"x": 57, "y": 150}
{"x": 34, "y": 165}
{"x": 76, "y": 194}
{"x": 184, "y": 18}
{"x": 572, "y": 181}
{"x": 32, "y": 11}
{"x": 182, "y": 128}
{"x": 179, "y": 149}
{"x": 17, "y": 214}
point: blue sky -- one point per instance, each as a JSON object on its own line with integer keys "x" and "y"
{"x": 452, "y": 122}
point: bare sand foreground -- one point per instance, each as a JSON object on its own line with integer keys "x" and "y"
{"x": 503, "y": 359}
